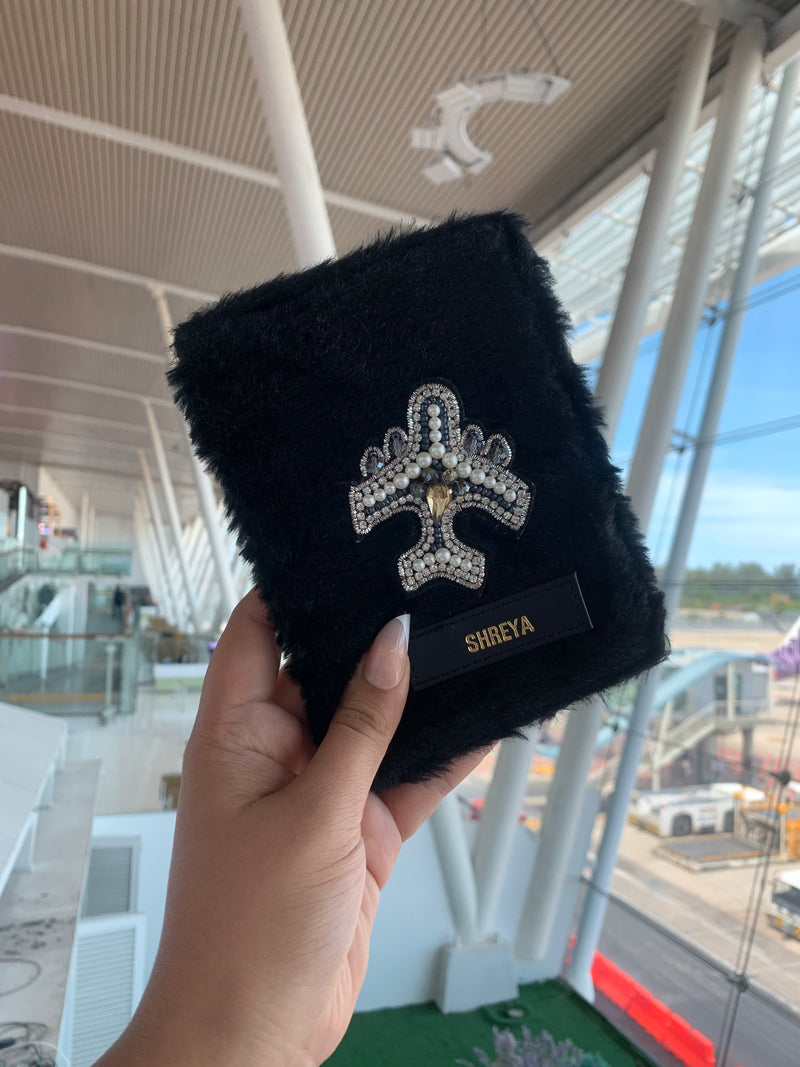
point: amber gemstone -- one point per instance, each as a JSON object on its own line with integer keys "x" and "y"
{"x": 438, "y": 497}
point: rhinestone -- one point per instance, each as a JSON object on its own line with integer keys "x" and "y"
{"x": 472, "y": 442}
{"x": 499, "y": 452}
{"x": 398, "y": 443}
{"x": 373, "y": 461}
{"x": 438, "y": 497}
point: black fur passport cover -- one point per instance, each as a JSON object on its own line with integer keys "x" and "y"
{"x": 404, "y": 429}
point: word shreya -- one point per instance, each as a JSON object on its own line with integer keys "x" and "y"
{"x": 497, "y": 635}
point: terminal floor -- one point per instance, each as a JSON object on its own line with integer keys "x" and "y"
{"x": 422, "y": 1036}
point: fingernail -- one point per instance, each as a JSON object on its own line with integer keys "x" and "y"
{"x": 386, "y": 660}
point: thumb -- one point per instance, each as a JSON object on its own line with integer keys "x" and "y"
{"x": 344, "y": 767}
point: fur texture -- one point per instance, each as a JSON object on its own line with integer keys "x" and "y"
{"x": 285, "y": 385}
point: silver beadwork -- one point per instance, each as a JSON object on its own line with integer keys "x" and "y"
{"x": 436, "y": 478}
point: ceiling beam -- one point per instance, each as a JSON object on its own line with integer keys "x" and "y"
{"x": 83, "y": 266}
{"x": 100, "y": 390}
{"x": 114, "y": 424}
{"x": 783, "y": 43}
{"x": 15, "y": 431}
{"x": 57, "y": 463}
{"x": 82, "y": 342}
{"x": 66, "y": 120}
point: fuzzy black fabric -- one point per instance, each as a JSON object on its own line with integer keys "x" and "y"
{"x": 284, "y": 386}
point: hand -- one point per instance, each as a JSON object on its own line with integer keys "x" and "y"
{"x": 280, "y": 854}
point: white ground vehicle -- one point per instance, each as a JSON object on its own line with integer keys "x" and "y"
{"x": 705, "y": 809}
{"x": 783, "y": 910}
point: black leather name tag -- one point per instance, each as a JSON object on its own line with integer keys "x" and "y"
{"x": 496, "y": 631}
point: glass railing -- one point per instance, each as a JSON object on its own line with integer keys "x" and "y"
{"x": 682, "y": 1003}
{"x": 14, "y": 562}
{"x": 72, "y": 559}
{"x": 70, "y": 673}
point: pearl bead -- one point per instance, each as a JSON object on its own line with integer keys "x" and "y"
{"x": 433, "y": 410}
{"x": 429, "y": 559}
{"x": 413, "y": 470}
{"x": 390, "y": 488}
{"x": 424, "y": 459}
{"x": 435, "y": 424}
{"x": 450, "y": 460}
{"x": 477, "y": 476}
{"x": 489, "y": 481}
{"x": 510, "y": 496}
{"x": 380, "y": 494}
{"x": 436, "y": 451}
{"x": 418, "y": 565}
{"x": 455, "y": 561}
{"x": 463, "y": 470}
{"x": 369, "y": 501}
{"x": 435, "y": 435}
{"x": 442, "y": 555}
{"x": 401, "y": 481}
{"x": 466, "y": 565}
{"x": 499, "y": 487}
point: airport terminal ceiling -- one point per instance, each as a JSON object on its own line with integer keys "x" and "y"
{"x": 136, "y": 151}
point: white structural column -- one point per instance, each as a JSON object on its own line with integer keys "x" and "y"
{"x": 454, "y": 858}
{"x": 680, "y": 123}
{"x": 288, "y": 130}
{"x": 565, "y": 798}
{"x": 161, "y": 541}
{"x": 205, "y": 492}
{"x": 83, "y": 532}
{"x": 150, "y": 562}
{"x": 594, "y": 909}
{"x": 565, "y": 803}
{"x": 676, "y": 348}
{"x": 499, "y": 825}
{"x": 172, "y": 511}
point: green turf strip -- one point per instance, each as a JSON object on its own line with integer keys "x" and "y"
{"x": 419, "y": 1035}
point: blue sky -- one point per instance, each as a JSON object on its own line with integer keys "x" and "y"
{"x": 751, "y": 504}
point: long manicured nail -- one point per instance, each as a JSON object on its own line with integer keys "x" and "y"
{"x": 386, "y": 660}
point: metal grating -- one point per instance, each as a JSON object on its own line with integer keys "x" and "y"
{"x": 109, "y": 881}
{"x": 103, "y": 990}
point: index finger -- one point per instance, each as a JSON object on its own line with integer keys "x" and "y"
{"x": 244, "y": 665}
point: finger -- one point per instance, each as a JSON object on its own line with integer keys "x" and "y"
{"x": 244, "y": 666}
{"x": 287, "y": 694}
{"x": 345, "y": 764}
{"x": 411, "y": 804}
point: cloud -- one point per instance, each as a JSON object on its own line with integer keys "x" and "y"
{"x": 742, "y": 517}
